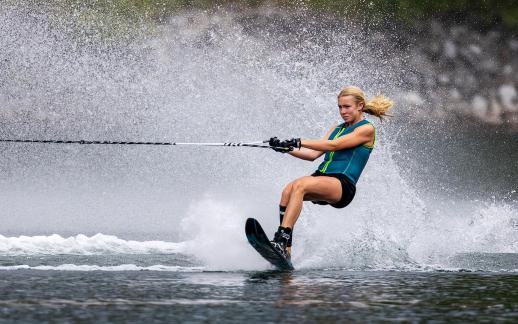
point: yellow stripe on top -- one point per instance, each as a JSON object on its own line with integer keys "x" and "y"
{"x": 350, "y": 161}
{"x": 323, "y": 170}
{"x": 373, "y": 142}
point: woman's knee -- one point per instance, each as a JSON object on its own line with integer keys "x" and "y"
{"x": 301, "y": 185}
{"x": 286, "y": 193}
{"x": 287, "y": 189}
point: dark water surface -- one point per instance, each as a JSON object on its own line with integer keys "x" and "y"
{"x": 266, "y": 297}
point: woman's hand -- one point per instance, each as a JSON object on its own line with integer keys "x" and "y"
{"x": 274, "y": 142}
{"x": 294, "y": 143}
{"x": 284, "y": 146}
{"x": 282, "y": 149}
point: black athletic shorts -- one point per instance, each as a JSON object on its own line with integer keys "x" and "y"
{"x": 348, "y": 189}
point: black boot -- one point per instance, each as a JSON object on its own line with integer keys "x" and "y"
{"x": 282, "y": 211}
{"x": 280, "y": 241}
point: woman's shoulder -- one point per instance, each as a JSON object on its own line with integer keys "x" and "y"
{"x": 366, "y": 123}
{"x": 366, "y": 129}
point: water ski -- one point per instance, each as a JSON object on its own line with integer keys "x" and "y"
{"x": 260, "y": 242}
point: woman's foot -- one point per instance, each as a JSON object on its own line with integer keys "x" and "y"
{"x": 280, "y": 241}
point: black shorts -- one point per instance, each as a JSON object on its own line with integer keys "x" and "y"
{"x": 348, "y": 189}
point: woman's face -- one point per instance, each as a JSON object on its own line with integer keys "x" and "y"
{"x": 349, "y": 109}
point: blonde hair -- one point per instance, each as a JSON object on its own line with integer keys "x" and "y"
{"x": 377, "y": 106}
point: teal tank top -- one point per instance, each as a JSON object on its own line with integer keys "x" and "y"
{"x": 349, "y": 162}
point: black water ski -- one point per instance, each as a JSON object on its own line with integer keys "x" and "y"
{"x": 260, "y": 242}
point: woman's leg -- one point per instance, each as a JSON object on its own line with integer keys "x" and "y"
{"x": 285, "y": 196}
{"x": 285, "y": 199}
{"x": 306, "y": 188}
{"x": 309, "y": 188}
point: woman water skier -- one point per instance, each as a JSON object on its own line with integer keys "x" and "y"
{"x": 347, "y": 148}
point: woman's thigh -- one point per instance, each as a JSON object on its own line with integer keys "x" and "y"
{"x": 319, "y": 188}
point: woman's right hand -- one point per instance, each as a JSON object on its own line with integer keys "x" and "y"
{"x": 279, "y": 146}
{"x": 282, "y": 149}
{"x": 274, "y": 141}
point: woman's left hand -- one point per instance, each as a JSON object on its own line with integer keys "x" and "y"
{"x": 294, "y": 143}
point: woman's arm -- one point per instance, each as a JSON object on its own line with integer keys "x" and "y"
{"x": 361, "y": 135}
{"x": 309, "y": 154}
{"x": 306, "y": 154}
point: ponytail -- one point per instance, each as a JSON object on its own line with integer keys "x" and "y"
{"x": 377, "y": 106}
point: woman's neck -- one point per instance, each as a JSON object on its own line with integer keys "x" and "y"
{"x": 359, "y": 119}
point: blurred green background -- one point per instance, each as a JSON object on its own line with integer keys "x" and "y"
{"x": 483, "y": 13}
